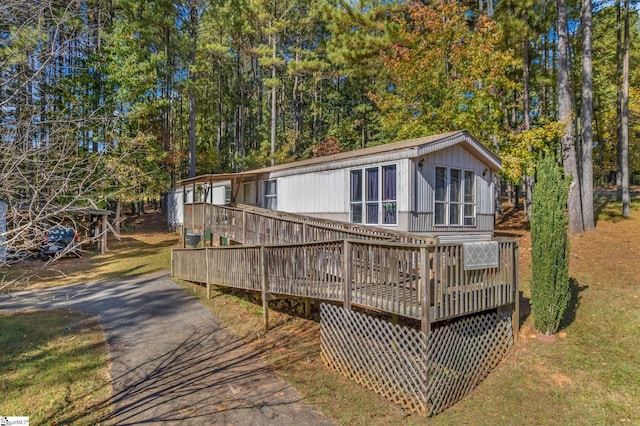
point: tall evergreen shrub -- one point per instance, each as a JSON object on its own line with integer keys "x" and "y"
{"x": 550, "y": 292}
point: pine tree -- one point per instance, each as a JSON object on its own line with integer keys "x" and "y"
{"x": 565, "y": 113}
{"x": 550, "y": 293}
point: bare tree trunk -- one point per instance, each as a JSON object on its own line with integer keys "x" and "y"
{"x": 296, "y": 103}
{"x": 193, "y": 17}
{"x": 274, "y": 104}
{"x": 626, "y": 200}
{"x": 314, "y": 124}
{"x": 603, "y": 179}
{"x": 497, "y": 191}
{"x": 586, "y": 112}
{"x": 569, "y": 161}
{"x": 117, "y": 221}
{"x": 619, "y": 102}
{"x": 219, "y": 129}
{"x": 242, "y": 118}
{"x": 497, "y": 194}
{"x": 528, "y": 180}
{"x": 545, "y": 61}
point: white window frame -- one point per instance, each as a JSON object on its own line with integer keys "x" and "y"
{"x": 466, "y": 201}
{"x": 358, "y": 203}
{"x": 271, "y": 197}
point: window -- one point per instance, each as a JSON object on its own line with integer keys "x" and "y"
{"x": 389, "y": 199}
{"x": 356, "y": 196}
{"x": 373, "y": 197}
{"x": 227, "y": 194}
{"x": 469, "y": 213}
{"x": 246, "y": 193}
{"x": 271, "y": 195}
{"x": 455, "y": 201}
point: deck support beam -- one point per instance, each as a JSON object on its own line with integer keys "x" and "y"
{"x": 265, "y": 287}
{"x": 425, "y": 295}
{"x": 206, "y": 265}
{"x": 244, "y": 227}
{"x": 515, "y": 316}
{"x": 346, "y": 275}
{"x": 307, "y": 308}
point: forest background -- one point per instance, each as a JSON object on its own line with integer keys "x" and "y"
{"x": 117, "y": 100}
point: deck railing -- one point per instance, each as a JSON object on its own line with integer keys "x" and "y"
{"x": 253, "y": 225}
{"x": 391, "y": 277}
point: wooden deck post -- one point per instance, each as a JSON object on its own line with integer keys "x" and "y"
{"x": 244, "y": 227}
{"x": 515, "y": 317}
{"x": 184, "y": 216}
{"x": 265, "y": 289}
{"x": 204, "y": 223}
{"x": 206, "y": 265}
{"x": 425, "y": 296}
{"x": 193, "y": 207}
{"x": 346, "y": 275}
{"x": 307, "y": 308}
{"x": 173, "y": 270}
{"x": 103, "y": 245}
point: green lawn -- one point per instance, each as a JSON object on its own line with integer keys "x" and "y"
{"x": 54, "y": 368}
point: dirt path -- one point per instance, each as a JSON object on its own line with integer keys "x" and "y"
{"x": 172, "y": 362}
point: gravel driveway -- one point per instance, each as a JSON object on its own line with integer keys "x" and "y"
{"x": 172, "y": 361}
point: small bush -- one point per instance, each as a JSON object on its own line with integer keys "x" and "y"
{"x": 550, "y": 292}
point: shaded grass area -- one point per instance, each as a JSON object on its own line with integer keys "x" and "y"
{"x": 54, "y": 367}
{"x": 607, "y": 209}
{"x": 134, "y": 254}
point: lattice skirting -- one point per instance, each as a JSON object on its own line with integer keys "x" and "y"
{"x": 399, "y": 363}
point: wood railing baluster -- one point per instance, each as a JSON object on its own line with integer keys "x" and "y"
{"x": 395, "y": 277}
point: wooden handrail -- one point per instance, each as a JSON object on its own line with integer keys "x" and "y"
{"x": 385, "y": 276}
{"x": 384, "y": 270}
{"x": 193, "y": 218}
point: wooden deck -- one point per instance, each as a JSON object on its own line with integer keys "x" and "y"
{"x": 292, "y": 255}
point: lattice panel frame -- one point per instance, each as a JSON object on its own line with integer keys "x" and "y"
{"x": 462, "y": 353}
{"x": 402, "y": 365}
{"x": 386, "y": 358}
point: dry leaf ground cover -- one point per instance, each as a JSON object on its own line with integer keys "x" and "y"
{"x": 589, "y": 376}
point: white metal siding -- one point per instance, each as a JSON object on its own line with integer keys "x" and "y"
{"x": 217, "y": 195}
{"x": 459, "y": 158}
{"x": 175, "y": 215}
{"x": 405, "y": 184}
{"x": 314, "y": 193}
